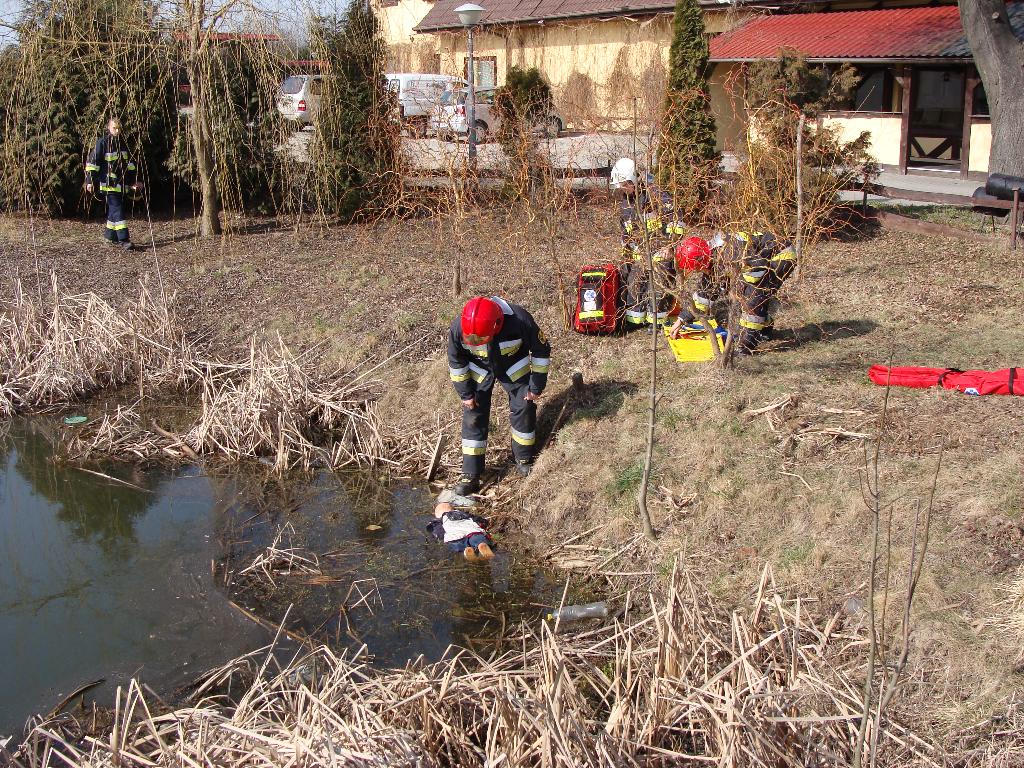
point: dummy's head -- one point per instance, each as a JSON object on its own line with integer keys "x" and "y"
{"x": 441, "y": 508}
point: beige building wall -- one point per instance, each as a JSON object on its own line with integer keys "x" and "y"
{"x": 981, "y": 145}
{"x": 884, "y": 130}
{"x": 599, "y": 70}
{"x": 408, "y": 50}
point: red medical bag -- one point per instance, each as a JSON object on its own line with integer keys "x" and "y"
{"x": 598, "y": 299}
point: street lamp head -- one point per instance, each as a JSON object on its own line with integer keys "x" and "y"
{"x": 469, "y": 14}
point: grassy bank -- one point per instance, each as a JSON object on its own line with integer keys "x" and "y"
{"x": 742, "y": 485}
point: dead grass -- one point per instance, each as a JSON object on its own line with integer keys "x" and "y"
{"x": 674, "y": 681}
{"x": 778, "y": 488}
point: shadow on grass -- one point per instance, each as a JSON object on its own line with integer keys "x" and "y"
{"x": 830, "y": 330}
{"x": 594, "y": 400}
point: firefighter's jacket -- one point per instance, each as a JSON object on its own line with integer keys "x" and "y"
{"x": 763, "y": 260}
{"x": 110, "y": 168}
{"x": 650, "y": 209}
{"x": 519, "y": 350}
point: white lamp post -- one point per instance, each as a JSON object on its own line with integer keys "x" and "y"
{"x": 469, "y": 15}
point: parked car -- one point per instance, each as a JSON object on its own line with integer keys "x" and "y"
{"x": 449, "y": 117}
{"x": 298, "y": 98}
{"x": 418, "y": 94}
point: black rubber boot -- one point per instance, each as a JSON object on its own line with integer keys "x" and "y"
{"x": 524, "y": 468}
{"x": 467, "y": 485}
{"x": 751, "y": 340}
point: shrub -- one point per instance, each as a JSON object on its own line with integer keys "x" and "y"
{"x": 356, "y": 154}
{"x": 524, "y": 105}
{"x": 77, "y": 64}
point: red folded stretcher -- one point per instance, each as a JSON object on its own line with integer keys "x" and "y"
{"x": 1007, "y": 381}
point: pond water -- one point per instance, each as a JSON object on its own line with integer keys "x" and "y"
{"x": 102, "y": 580}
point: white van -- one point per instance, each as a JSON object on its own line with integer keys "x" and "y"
{"x": 418, "y": 93}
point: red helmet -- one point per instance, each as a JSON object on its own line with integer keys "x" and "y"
{"x": 693, "y": 255}
{"x": 482, "y": 317}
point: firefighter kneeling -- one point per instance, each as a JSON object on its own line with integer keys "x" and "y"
{"x": 763, "y": 264}
{"x": 496, "y": 341}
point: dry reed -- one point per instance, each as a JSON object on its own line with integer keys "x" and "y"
{"x": 677, "y": 682}
{"x": 275, "y": 405}
{"x": 271, "y": 405}
{"x": 69, "y": 346}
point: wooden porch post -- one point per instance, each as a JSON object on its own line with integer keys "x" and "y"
{"x": 906, "y": 78}
{"x": 971, "y": 84}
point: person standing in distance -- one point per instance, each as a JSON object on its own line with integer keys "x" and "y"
{"x": 111, "y": 170}
{"x": 495, "y": 341}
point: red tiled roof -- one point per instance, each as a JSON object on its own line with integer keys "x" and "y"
{"x": 895, "y": 33}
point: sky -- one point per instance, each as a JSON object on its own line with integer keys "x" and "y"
{"x": 291, "y": 15}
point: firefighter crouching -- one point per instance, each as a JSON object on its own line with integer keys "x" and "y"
{"x": 763, "y": 264}
{"x": 111, "y": 170}
{"x": 645, "y": 219}
{"x": 496, "y": 341}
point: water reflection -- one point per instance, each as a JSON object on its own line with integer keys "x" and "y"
{"x": 96, "y": 511}
{"x": 100, "y": 580}
{"x": 104, "y": 581}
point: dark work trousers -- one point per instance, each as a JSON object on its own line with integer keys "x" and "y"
{"x": 637, "y": 298}
{"x": 476, "y": 421}
{"x": 117, "y": 225}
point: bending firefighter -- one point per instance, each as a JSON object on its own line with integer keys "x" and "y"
{"x": 494, "y": 341}
{"x": 646, "y": 221}
{"x": 763, "y": 264}
{"x": 111, "y": 170}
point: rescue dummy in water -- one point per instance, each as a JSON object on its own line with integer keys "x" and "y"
{"x": 462, "y": 531}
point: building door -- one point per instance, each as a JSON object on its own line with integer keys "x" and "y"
{"x": 935, "y": 135}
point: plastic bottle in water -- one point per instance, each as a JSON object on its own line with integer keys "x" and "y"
{"x": 577, "y": 612}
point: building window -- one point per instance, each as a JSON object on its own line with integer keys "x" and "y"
{"x": 485, "y": 69}
{"x": 980, "y": 101}
{"x": 874, "y": 92}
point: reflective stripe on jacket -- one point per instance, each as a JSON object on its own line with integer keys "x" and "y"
{"x": 760, "y": 256}
{"x": 649, "y": 209}
{"x": 110, "y": 167}
{"x": 519, "y": 350}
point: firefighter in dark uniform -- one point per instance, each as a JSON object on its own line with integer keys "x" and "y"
{"x": 645, "y": 218}
{"x": 111, "y": 171}
{"x": 694, "y": 257}
{"x": 494, "y": 341}
{"x": 763, "y": 263}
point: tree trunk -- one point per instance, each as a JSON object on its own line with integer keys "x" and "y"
{"x": 999, "y": 56}
{"x": 652, "y": 406}
{"x": 202, "y": 140}
{"x": 202, "y": 134}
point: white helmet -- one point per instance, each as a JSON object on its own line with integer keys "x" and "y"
{"x": 623, "y": 171}
{"x": 717, "y": 241}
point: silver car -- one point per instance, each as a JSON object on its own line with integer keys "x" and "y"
{"x": 449, "y": 118}
{"x": 298, "y": 98}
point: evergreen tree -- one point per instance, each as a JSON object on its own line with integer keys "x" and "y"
{"x": 686, "y": 156}
{"x": 355, "y": 155}
{"x": 79, "y": 63}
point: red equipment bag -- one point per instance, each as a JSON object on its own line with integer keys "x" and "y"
{"x": 597, "y": 299}
{"x": 1007, "y": 381}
